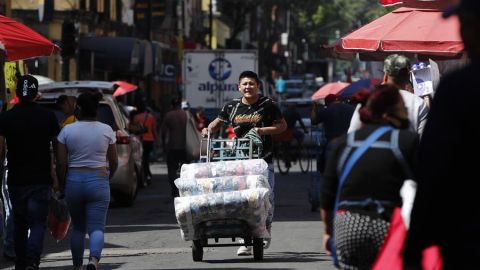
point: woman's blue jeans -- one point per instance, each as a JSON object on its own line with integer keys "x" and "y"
{"x": 88, "y": 196}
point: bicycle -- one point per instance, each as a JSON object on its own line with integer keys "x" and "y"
{"x": 288, "y": 150}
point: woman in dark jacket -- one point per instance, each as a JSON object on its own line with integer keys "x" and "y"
{"x": 371, "y": 187}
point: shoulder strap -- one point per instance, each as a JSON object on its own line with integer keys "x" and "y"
{"x": 394, "y": 141}
{"x": 348, "y": 167}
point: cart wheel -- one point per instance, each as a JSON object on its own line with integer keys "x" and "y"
{"x": 258, "y": 249}
{"x": 197, "y": 251}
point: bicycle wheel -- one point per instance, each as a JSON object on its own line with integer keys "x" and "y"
{"x": 281, "y": 156}
{"x": 303, "y": 159}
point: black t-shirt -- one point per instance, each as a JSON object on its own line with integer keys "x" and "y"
{"x": 28, "y": 129}
{"x": 244, "y": 117}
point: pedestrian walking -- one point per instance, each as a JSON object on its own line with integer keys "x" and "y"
{"x": 86, "y": 160}
{"x": 445, "y": 211}
{"x": 66, "y": 104}
{"x": 360, "y": 189}
{"x": 27, "y": 132}
{"x": 147, "y": 120}
{"x": 201, "y": 120}
{"x": 258, "y": 114}
{"x": 396, "y": 70}
{"x": 174, "y": 140}
{"x": 335, "y": 117}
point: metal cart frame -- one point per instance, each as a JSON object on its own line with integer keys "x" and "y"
{"x": 221, "y": 150}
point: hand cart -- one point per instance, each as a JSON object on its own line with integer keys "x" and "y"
{"x": 222, "y": 150}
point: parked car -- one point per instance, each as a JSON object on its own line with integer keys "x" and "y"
{"x": 129, "y": 175}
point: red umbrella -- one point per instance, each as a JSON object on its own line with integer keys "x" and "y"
{"x": 123, "y": 88}
{"x": 20, "y": 42}
{"x": 406, "y": 30}
{"x": 329, "y": 88}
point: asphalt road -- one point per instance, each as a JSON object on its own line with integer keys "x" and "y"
{"x": 146, "y": 236}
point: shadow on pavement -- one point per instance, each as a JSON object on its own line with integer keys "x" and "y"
{"x": 104, "y": 266}
{"x": 276, "y": 257}
{"x": 137, "y": 228}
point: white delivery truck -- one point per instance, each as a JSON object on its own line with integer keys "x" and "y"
{"x": 210, "y": 77}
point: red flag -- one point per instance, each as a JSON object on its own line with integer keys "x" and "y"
{"x": 391, "y": 2}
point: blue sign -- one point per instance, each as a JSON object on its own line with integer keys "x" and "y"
{"x": 220, "y": 69}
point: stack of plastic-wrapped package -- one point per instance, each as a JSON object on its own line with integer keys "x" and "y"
{"x": 236, "y": 189}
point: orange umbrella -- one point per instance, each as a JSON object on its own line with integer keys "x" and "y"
{"x": 123, "y": 88}
{"x": 329, "y": 88}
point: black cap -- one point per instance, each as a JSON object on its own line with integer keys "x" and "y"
{"x": 27, "y": 87}
{"x": 470, "y": 6}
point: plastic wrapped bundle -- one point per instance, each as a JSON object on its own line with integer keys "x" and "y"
{"x": 248, "y": 205}
{"x": 224, "y": 168}
{"x": 192, "y": 186}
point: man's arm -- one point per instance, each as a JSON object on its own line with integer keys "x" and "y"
{"x": 2, "y": 152}
{"x": 277, "y": 128}
{"x": 355, "y": 122}
{"x": 422, "y": 117}
{"x": 213, "y": 127}
{"x": 54, "y": 158}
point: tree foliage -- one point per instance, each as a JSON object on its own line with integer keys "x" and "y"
{"x": 323, "y": 20}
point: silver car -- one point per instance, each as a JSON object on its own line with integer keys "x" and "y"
{"x": 129, "y": 175}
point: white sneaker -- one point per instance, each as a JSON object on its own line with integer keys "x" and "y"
{"x": 243, "y": 250}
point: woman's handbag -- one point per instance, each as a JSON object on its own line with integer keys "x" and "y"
{"x": 58, "y": 218}
{"x": 139, "y": 128}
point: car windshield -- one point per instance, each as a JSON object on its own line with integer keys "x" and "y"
{"x": 104, "y": 114}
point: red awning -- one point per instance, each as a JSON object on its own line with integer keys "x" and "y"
{"x": 21, "y": 42}
{"x": 406, "y": 30}
{"x": 123, "y": 88}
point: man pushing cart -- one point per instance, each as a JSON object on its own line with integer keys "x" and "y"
{"x": 257, "y": 118}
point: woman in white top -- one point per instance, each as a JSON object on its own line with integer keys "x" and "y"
{"x": 87, "y": 159}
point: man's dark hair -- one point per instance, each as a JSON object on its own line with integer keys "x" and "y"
{"x": 176, "y": 102}
{"x": 249, "y": 74}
